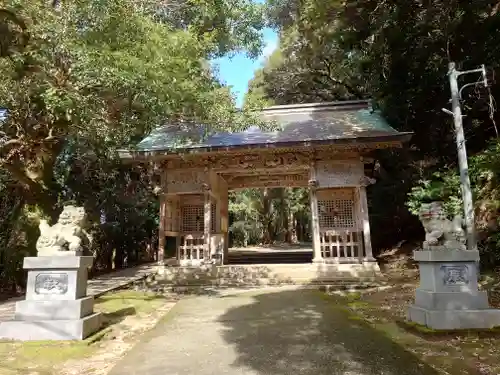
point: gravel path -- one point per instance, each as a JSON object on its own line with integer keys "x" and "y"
{"x": 274, "y": 331}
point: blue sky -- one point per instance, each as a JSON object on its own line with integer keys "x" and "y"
{"x": 238, "y": 70}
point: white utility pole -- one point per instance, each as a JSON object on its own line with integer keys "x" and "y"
{"x": 456, "y": 112}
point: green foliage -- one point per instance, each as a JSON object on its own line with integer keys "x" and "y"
{"x": 395, "y": 53}
{"x": 18, "y": 234}
{"x": 268, "y": 215}
{"x": 245, "y": 228}
{"x": 222, "y": 26}
{"x": 81, "y": 78}
{"x": 484, "y": 171}
{"x": 103, "y": 72}
{"x": 443, "y": 187}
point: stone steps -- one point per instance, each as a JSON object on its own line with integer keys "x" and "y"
{"x": 286, "y": 257}
{"x": 340, "y": 275}
{"x": 218, "y": 289}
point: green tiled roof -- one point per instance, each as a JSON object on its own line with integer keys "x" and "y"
{"x": 315, "y": 123}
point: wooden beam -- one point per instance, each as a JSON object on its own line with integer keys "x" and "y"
{"x": 207, "y": 223}
{"x": 161, "y": 230}
{"x": 363, "y": 201}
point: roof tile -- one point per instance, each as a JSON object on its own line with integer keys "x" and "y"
{"x": 296, "y": 124}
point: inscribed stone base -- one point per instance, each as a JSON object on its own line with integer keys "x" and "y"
{"x": 448, "y": 296}
{"x": 35, "y": 330}
{"x": 455, "y": 319}
{"x": 56, "y": 305}
{"x": 56, "y": 284}
{"x": 451, "y": 300}
{"x": 54, "y": 310}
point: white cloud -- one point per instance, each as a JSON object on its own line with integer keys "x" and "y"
{"x": 271, "y": 45}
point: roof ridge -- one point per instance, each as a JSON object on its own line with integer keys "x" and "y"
{"x": 329, "y": 106}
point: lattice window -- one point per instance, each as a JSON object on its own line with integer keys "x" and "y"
{"x": 336, "y": 213}
{"x": 213, "y": 217}
{"x": 193, "y": 218}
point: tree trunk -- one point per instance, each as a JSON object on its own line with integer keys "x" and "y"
{"x": 36, "y": 176}
{"x": 292, "y": 225}
{"x": 119, "y": 256}
{"x": 36, "y": 193}
{"x": 266, "y": 205}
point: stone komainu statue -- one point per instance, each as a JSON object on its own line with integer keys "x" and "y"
{"x": 67, "y": 235}
{"x": 439, "y": 231}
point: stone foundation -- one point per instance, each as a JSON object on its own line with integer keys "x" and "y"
{"x": 269, "y": 274}
{"x": 56, "y": 305}
{"x": 35, "y": 330}
{"x": 448, "y": 296}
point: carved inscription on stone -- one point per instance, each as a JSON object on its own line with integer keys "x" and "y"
{"x": 51, "y": 283}
{"x": 454, "y": 275}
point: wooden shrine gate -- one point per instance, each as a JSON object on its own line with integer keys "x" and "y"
{"x": 324, "y": 147}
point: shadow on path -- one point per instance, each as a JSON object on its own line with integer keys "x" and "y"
{"x": 274, "y": 331}
{"x": 305, "y": 332}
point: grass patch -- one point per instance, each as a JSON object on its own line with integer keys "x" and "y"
{"x": 354, "y": 296}
{"x": 358, "y": 305}
{"x": 42, "y": 357}
{"x": 467, "y": 352}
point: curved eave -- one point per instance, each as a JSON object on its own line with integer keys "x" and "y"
{"x": 145, "y": 155}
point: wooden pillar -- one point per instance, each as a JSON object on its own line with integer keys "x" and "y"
{"x": 359, "y": 224}
{"x": 207, "y": 223}
{"x": 161, "y": 229}
{"x": 313, "y": 184}
{"x": 176, "y": 224}
{"x": 224, "y": 226}
{"x": 365, "y": 221}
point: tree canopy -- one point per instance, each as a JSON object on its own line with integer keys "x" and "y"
{"x": 104, "y": 71}
{"x": 83, "y": 77}
{"x": 395, "y": 53}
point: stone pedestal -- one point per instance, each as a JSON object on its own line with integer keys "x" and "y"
{"x": 57, "y": 306}
{"x": 448, "y": 297}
